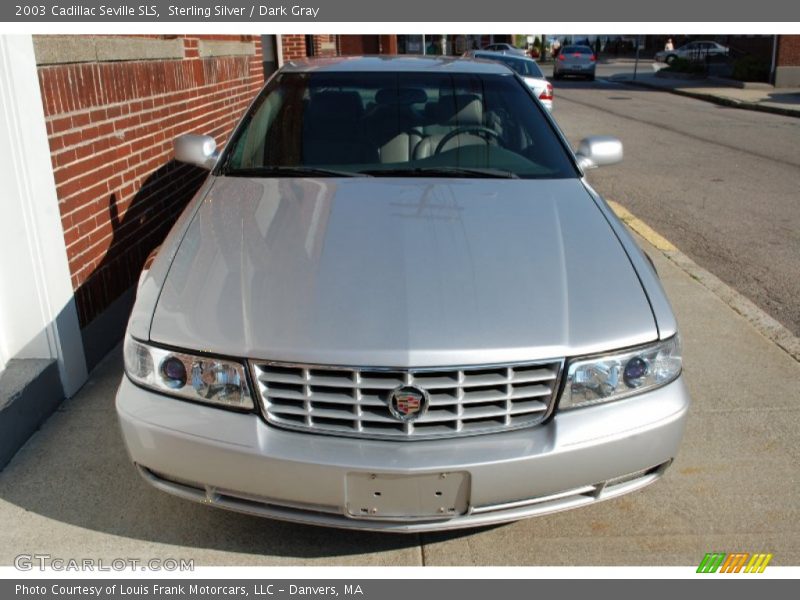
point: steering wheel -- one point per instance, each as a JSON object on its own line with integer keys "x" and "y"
{"x": 478, "y": 130}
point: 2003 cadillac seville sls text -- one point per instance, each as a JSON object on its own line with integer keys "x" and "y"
{"x": 396, "y": 304}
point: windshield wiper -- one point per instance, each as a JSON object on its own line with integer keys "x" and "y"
{"x": 291, "y": 171}
{"x": 444, "y": 171}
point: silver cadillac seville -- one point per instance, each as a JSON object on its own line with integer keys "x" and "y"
{"x": 396, "y": 304}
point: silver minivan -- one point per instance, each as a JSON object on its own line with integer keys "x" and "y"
{"x": 396, "y": 304}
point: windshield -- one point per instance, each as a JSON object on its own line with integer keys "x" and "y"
{"x": 523, "y": 66}
{"x": 397, "y": 124}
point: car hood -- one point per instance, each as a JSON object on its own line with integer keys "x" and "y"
{"x": 400, "y": 272}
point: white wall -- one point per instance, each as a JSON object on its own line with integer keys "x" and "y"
{"x": 37, "y": 312}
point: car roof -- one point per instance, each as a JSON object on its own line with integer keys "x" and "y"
{"x": 488, "y": 54}
{"x": 395, "y": 64}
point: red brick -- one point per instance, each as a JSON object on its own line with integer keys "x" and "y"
{"x": 110, "y": 127}
{"x": 788, "y": 50}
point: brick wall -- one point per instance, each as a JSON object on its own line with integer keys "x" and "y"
{"x": 110, "y": 125}
{"x": 294, "y": 46}
{"x": 325, "y": 45}
{"x": 355, "y": 45}
{"x": 788, "y": 51}
{"x": 787, "y": 62}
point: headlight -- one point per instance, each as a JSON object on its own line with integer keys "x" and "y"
{"x": 200, "y": 378}
{"x": 614, "y": 376}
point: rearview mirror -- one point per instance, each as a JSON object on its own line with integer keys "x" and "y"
{"x": 198, "y": 150}
{"x": 599, "y": 150}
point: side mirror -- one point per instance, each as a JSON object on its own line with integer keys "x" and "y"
{"x": 198, "y": 150}
{"x": 599, "y": 150}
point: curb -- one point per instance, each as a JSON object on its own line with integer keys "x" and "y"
{"x": 742, "y": 85}
{"x": 729, "y": 102}
{"x": 766, "y": 325}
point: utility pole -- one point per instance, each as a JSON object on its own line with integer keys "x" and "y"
{"x": 774, "y": 59}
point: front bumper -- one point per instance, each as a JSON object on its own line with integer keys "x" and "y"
{"x": 236, "y": 461}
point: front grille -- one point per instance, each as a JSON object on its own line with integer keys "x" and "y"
{"x": 355, "y": 402}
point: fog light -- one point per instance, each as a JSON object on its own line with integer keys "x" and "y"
{"x": 173, "y": 373}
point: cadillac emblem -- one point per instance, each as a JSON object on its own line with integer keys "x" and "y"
{"x": 408, "y": 403}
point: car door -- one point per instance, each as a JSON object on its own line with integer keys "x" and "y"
{"x": 689, "y": 50}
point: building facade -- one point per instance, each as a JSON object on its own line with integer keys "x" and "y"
{"x": 91, "y": 190}
{"x": 787, "y": 61}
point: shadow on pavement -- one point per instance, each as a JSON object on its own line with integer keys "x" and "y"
{"x": 75, "y": 470}
{"x": 785, "y": 97}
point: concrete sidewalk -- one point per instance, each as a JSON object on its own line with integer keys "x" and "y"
{"x": 760, "y": 97}
{"x": 71, "y": 493}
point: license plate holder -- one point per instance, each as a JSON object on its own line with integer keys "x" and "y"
{"x": 385, "y": 496}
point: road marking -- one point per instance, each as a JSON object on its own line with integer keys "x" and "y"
{"x": 760, "y": 320}
{"x": 642, "y": 228}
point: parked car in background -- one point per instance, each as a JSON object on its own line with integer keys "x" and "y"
{"x": 525, "y": 67}
{"x": 699, "y": 50}
{"x": 396, "y": 304}
{"x": 507, "y": 48}
{"x": 575, "y": 60}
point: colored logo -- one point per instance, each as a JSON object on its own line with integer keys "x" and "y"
{"x": 407, "y": 403}
{"x": 737, "y": 562}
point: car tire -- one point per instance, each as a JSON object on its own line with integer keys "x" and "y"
{"x": 556, "y": 76}
{"x": 590, "y": 77}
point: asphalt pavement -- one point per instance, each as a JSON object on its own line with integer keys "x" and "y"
{"x": 71, "y": 493}
{"x": 722, "y": 184}
{"x": 747, "y": 95}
